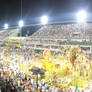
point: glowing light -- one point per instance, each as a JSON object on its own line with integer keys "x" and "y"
{"x": 5, "y": 26}
{"x": 44, "y": 20}
{"x": 21, "y": 23}
{"x": 81, "y": 16}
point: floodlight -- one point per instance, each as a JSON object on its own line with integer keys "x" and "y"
{"x": 5, "y": 26}
{"x": 81, "y": 16}
{"x": 21, "y": 23}
{"x": 44, "y": 20}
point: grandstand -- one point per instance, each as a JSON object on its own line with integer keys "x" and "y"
{"x": 5, "y": 34}
{"x": 65, "y": 31}
{"x": 53, "y": 36}
{"x": 56, "y": 36}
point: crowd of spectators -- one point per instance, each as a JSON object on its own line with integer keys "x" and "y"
{"x": 65, "y": 31}
{"x": 4, "y": 34}
{"x": 13, "y": 79}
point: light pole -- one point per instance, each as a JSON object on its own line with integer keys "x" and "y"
{"x": 21, "y": 9}
{"x": 21, "y": 24}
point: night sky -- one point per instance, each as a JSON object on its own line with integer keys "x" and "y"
{"x": 34, "y": 9}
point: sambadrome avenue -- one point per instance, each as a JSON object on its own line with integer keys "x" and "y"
{"x": 45, "y": 56}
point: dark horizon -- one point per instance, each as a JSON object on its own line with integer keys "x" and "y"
{"x": 57, "y": 10}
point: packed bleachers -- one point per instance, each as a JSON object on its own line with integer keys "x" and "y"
{"x": 5, "y": 34}
{"x": 53, "y": 36}
{"x": 75, "y": 31}
{"x": 57, "y": 31}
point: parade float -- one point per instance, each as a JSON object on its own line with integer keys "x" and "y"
{"x": 71, "y": 69}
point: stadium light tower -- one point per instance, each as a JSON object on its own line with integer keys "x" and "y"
{"x": 81, "y": 16}
{"x": 5, "y": 26}
{"x": 21, "y": 23}
{"x": 44, "y": 20}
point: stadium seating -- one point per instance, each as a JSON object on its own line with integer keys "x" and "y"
{"x": 5, "y": 34}
{"x": 74, "y": 31}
